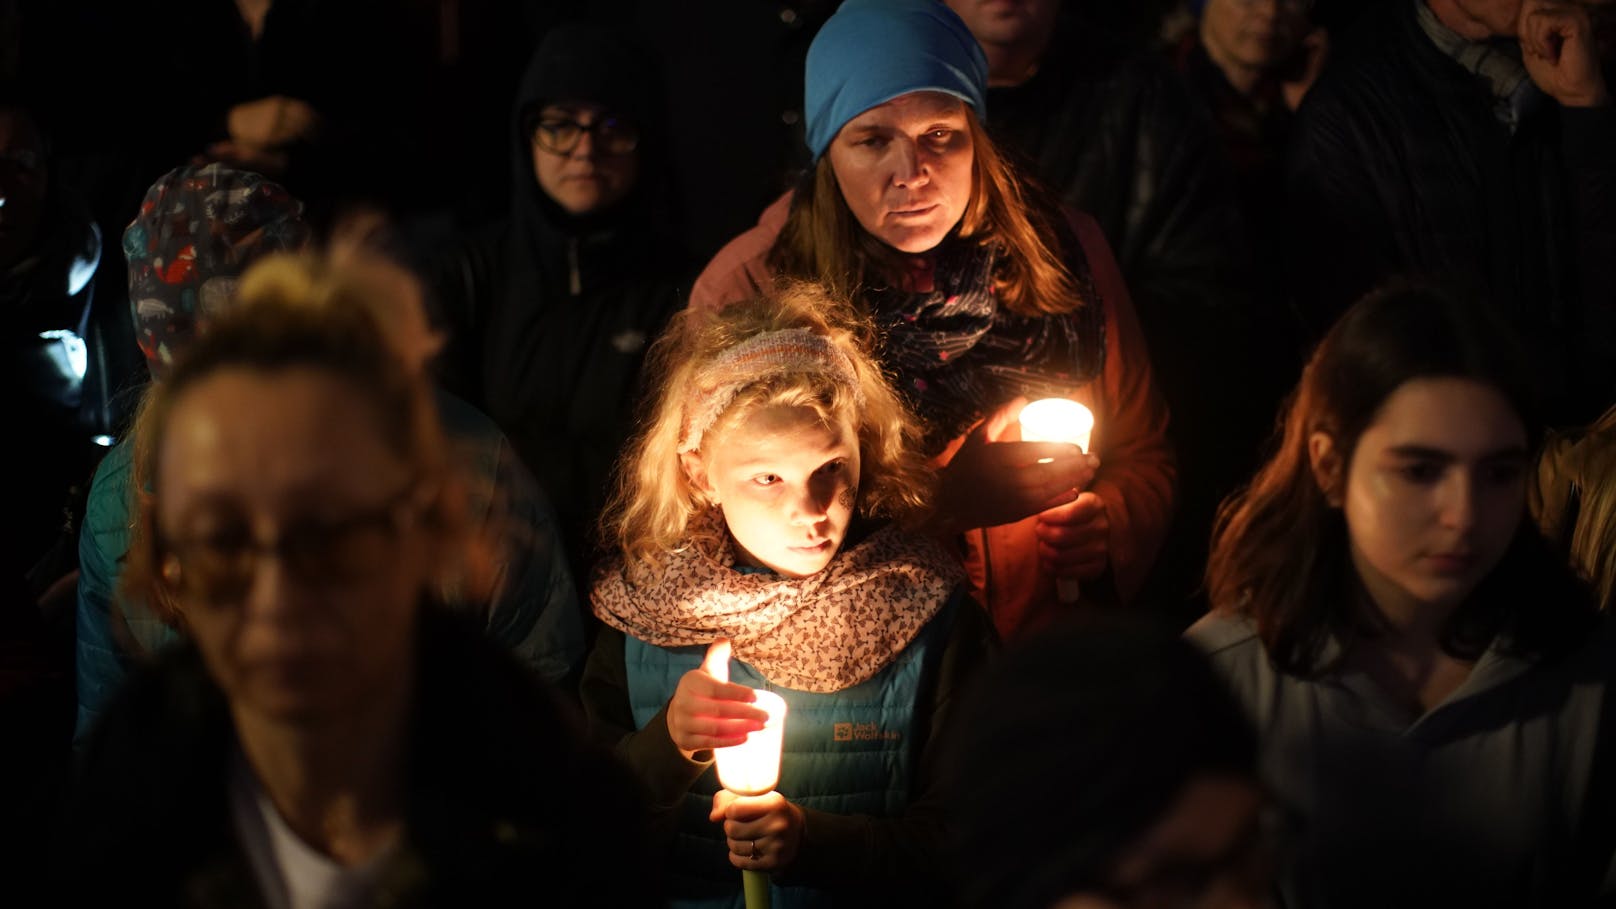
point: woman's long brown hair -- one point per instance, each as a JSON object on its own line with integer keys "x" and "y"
{"x": 1280, "y": 549}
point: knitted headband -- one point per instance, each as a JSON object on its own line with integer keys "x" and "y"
{"x": 792, "y": 351}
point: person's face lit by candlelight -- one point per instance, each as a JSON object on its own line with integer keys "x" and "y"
{"x": 905, "y": 169}
{"x": 786, "y": 483}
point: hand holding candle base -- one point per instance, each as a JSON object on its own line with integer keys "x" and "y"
{"x": 708, "y": 712}
{"x": 753, "y": 768}
{"x": 1074, "y": 543}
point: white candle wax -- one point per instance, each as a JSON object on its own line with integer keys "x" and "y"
{"x": 1057, "y": 420}
{"x": 753, "y": 767}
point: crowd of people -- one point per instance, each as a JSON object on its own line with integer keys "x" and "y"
{"x": 447, "y": 428}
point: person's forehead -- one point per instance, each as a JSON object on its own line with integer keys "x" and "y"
{"x": 263, "y": 433}
{"x": 1462, "y": 417}
{"x": 784, "y": 433}
{"x": 913, "y": 105}
{"x": 574, "y": 109}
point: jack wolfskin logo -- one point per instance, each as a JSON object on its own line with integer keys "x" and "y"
{"x": 862, "y": 732}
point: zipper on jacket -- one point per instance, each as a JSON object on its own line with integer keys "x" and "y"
{"x": 575, "y": 281}
{"x": 987, "y": 574}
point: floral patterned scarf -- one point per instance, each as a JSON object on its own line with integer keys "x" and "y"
{"x": 823, "y": 633}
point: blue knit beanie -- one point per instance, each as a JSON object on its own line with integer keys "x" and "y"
{"x": 871, "y": 51}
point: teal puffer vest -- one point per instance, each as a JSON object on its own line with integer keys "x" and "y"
{"x": 846, "y": 753}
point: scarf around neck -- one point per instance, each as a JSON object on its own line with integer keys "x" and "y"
{"x": 823, "y": 633}
{"x": 958, "y": 354}
{"x": 1496, "y": 62}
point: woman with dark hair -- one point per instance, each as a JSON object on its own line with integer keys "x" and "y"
{"x": 1427, "y": 679}
{"x": 984, "y": 293}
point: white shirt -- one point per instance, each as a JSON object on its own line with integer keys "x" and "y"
{"x": 290, "y": 873}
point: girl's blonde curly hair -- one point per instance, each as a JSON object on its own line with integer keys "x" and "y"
{"x": 650, "y": 511}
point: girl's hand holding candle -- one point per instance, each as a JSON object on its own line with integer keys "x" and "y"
{"x": 763, "y": 829}
{"x": 707, "y": 711}
{"x": 764, "y": 832}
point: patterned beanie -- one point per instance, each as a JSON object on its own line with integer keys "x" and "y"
{"x": 199, "y": 228}
{"x": 871, "y": 51}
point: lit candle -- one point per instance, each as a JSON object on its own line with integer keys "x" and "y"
{"x": 1058, "y": 420}
{"x": 753, "y": 767}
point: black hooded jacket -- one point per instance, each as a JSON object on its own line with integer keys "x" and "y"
{"x": 549, "y": 315}
{"x": 1398, "y": 165}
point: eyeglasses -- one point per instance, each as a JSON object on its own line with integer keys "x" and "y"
{"x": 219, "y": 567}
{"x": 560, "y": 135}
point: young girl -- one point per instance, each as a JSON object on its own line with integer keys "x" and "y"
{"x": 1429, "y": 683}
{"x": 765, "y": 507}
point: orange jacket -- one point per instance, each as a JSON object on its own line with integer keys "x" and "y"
{"x": 1136, "y": 475}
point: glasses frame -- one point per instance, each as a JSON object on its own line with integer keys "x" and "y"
{"x": 626, "y": 142}
{"x": 395, "y": 515}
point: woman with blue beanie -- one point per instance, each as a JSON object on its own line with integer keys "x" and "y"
{"x": 985, "y": 294}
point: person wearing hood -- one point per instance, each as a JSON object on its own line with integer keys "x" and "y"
{"x": 548, "y": 312}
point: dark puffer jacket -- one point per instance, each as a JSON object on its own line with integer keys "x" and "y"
{"x": 1398, "y": 164}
